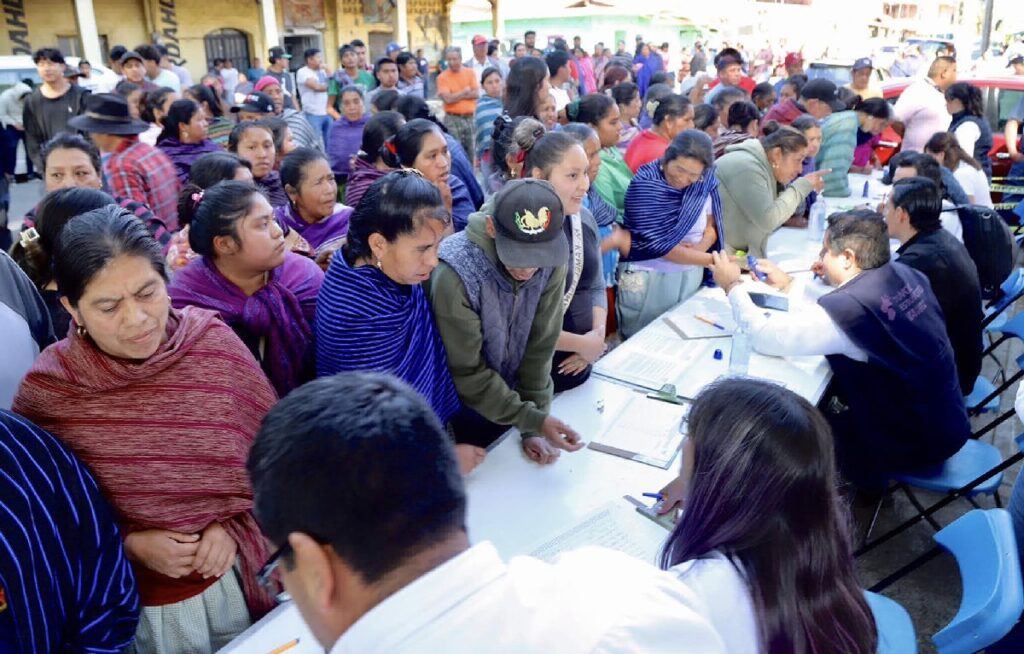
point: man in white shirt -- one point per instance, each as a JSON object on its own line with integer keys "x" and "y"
{"x": 921, "y": 110}
{"x": 312, "y": 82}
{"x": 154, "y": 73}
{"x": 558, "y": 69}
{"x": 896, "y": 403}
{"x": 375, "y": 554}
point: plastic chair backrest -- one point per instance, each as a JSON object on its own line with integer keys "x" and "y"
{"x": 985, "y": 549}
{"x": 895, "y": 629}
{"x": 1012, "y": 287}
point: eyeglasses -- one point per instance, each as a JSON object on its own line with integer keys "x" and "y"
{"x": 265, "y": 576}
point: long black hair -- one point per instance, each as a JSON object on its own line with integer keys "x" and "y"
{"x": 180, "y": 113}
{"x": 90, "y": 241}
{"x": 408, "y": 142}
{"x": 548, "y": 151}
{"x": 55, "y": 210}
{"x": 378, "y": 129}
{"x": 625, "y": 93}
{"x": 763, "y": 493}
{"x": 152, "y": 101}
{"x": 395, "y": 204}
{"x": 524, "y": 80}
{"x": 513, "y": 136}
{"x": 589, "y": 109}
{"x": 208, "y": 169}
{"x": 216, "y": 212}
{"x": 969, "y": 96}
{"x": 204, "y": 94}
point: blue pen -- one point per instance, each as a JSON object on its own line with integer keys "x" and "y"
{"x": 656, "y": 496}
{"x": 752, "y": 263}
{"x": 867, "y": 188}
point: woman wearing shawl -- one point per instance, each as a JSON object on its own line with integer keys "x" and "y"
{"x": 254, "y": 141}
{"x": 673, "y": 220}
{"x": 245, "y": 273}
{"x": 602, "y": 114}
{"x": 183, "y": 138}
{"x": 372, "y": 313}
{"x": 313, "y": 210}
{"x": 670, "y": 115}
{"x": 368, "y": 165}
{"x": 176, "y": 480}
{"x": 645, "y": 64}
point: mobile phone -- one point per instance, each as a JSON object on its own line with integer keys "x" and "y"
{"x": 770, "y": 301}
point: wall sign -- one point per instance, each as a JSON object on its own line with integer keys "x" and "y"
{"x": 17, "y": 28}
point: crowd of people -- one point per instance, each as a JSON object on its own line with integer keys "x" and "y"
{"x": 306, "y": 271}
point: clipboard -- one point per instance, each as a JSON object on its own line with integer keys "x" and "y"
{"x": 667, "y": 520}
{"x": 649, "y": 429}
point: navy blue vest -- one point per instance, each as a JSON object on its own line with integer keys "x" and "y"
{"x": 905, "y": 401}
{"x": 984, "y": 143}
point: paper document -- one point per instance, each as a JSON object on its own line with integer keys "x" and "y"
{"x": 647, "y": 430}
{"x": 652, "y": 358}
{"x": 717, "y": 310}
{"x": 615, "y": 526}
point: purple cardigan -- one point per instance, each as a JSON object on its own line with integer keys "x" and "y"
{"x": 183, "y": 155}
{"x": 343, "y": 141}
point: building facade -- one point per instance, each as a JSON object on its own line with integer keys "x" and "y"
{"x": 197, "y": 31}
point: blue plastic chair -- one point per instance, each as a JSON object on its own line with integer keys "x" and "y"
{"x": 993, "y": 595}
{"x": 895, "y": 629}
{"x": 982, "y": 388}
{"x": 1012, "y": 288}
{"x": 971, "y": 461}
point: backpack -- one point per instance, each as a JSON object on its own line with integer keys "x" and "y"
{"x": 991, "y": 245}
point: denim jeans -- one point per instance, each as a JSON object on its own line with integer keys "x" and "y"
{"x": 321, "y": 124}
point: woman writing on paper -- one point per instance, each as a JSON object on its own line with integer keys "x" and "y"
{"x": 764, "y": 539}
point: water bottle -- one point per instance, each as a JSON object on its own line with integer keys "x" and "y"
{"x": 816, "y": 220}
{"x": 739, "y": 356}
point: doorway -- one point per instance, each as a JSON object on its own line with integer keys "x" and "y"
{"x": 297, "y": 44}
{"x": 230, "y": 44}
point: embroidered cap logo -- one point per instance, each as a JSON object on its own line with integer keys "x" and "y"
{"x": 531, "y": 224}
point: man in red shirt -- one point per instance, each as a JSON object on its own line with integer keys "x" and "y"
{"x": 133, "y": 169}
{"x": 729, "y": 63}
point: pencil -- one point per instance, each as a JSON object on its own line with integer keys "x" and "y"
{"x": 284, "y": 648}
{"x": 708, "y": 321}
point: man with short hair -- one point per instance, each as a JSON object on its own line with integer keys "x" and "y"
{"x": 413, "y": 582}
{"x": 278, "y": 69}
{"x": 699, "y": 61}
{"x": 255, "y": 71}
{"x": 458, "y": 88}
{"x": 763, "y": 96}
{"x": 132, "y": 169}
{"x": 229, "y": 74}
{"x": 1012, "y": 132}
{"x": 530, "y": 41}
{"x": 51, "y": 104}
{"x": 897, "y": 405}
{"x": 184, "y": 77}
{"x": 558, "y": 70}
{"x": 729, "y": 64}
{"x": 912, "y": 216}
{"x": 820, "y": 98}
{"x": 921, "y": 109}
{"x": 1017, "y": 64}
{"x": 794, "y": 65}
{"x": 386, "y": 72}
{"x": 135, "y": 71}
{"x": 480, "y": 62}
{"x": 862, "y": 79}
{"x": 409, "y": 80}
{"x": 915, "y": 164}
{"x": 85, "y": 76}
{"x": 312, "y": 81}
{"x": 154, "y": 73}
{"x": 362, "y": 56}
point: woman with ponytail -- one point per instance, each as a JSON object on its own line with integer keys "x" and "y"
{"x": 246, "y": 274}
{"x": 600, "y": 112}
{"x": 368, "y": 165}
{"x": 512, "y": 139}
{"x": 670, "y": 115}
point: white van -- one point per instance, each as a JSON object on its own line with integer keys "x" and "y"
{"x": 14, "y": 68}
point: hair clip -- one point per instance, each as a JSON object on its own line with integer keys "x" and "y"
{"x": 389, "y": 145}
{"x": 28, "y": 236}
{"x": 521, "y": 156}
{"x": 197, "y": 197}
{"x": 411, "y": 171}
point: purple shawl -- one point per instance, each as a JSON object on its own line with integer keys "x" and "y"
{"x": 183, "y": 155}
{"x": 316, "y": 234}
{"x": 343, "y": 141}
{"x": 271, "y": 185}
{"x": 359, "y": 180}
{"x": 281, "y": 313}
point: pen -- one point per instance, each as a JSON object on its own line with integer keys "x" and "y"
{"x": 752, "y": 264}
{"x": 284, "y": 648}
{"x": 657, "y": 496}
{"x": 708, "y": 321}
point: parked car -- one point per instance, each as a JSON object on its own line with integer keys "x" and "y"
{"x": 1000, "y": 94}
{"x": 838, "y": 72}
{"x": 14, "y": 68}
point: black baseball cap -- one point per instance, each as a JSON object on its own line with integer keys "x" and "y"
{"x": 277, "y": 52}
{"x": 825, "y": 91}
{"x": 863, "y": 63}
{"x": 128, "y": 56}
{"x": 528, "y": 220}
{"x": 257, "y": 103}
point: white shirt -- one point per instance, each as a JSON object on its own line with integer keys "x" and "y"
{"x": 726, "y": 598}
{"x": 805, "y": 330}
{"x": 967, "y": 134}
{"x": 975, "y": 184}
{"x": 922, "y": 110}
{"x": 561, "y": 97}
{"x": 950, "y": 220}
{"x": 313, "y": 102}
{"x": 589, "y": 600}
{"x": 168, "y": 79}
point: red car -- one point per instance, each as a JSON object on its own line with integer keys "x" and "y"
{"x": 1001, "y": 95}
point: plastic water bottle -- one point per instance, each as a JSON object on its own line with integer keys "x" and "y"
{"x": 816, "y": 220}
{"x": 739, "y": 356}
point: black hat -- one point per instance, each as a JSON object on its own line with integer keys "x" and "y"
{"x": 257, "y": 103}
{"x": 1014, "y": 61}
{"x": 107, "y": 113}
{"x": 825, "y": 91}
{"x": 528, "y": 219}
{"x": 277, "y": 52}
{"x": 131, "y": 54}
{"x": 863, "y": 63}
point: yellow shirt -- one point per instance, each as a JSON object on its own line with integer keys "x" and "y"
{"x": 871, "y": 91}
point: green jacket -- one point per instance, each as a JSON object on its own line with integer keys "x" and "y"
{"x": 481, "y": 388}
{"x": 752, "y": 206}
